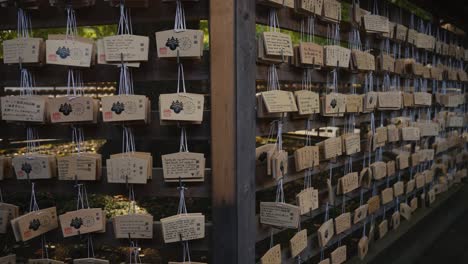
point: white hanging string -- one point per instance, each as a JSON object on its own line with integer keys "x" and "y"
{"x": 179, "y": 21}
{"x": 125, "y": 23}
{"x": 128, "y": 140}
{"x": 180, "y": 78}
{"x": 77, "y": 139}
{"x": 183, "y": 145}
{"x": 24, "y": 29}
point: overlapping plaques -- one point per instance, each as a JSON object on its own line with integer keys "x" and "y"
{"x": 306, "y": 157}
{"x": 34, "y": 224}
{"x": 8, "y": 212}
{"x": 126, "y": 47}
{"x": 307, "y": 200}
{"x": 135, "y": 226}
{"x": 24, "y": 108}
{"x": 183, "y": 227}
{"x": 130, "y": 167}
{"x": 181, "y": 107}
{"x": 279, "y": 214}
{"x": 185, "y": 166}
{"x": 73, "y": 109}
{"x": 185, "y": 43}
{"x": 34, "y": 166}
{"x": 80, "y": 167}
{"x": 76, "y": 52}
{"x": 126, "y": 108}
{"x": 82, "y": 221}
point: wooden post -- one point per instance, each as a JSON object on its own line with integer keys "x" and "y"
{"x": 232, "y": 51}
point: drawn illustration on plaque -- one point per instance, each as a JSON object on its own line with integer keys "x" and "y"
{"x": 118, "y": 107}
{"x": 63, "y": 52}
{"x": 172, "y": 43}
{"x": 65, "y": 109}
{"x": 177, "y": 106}
{"x": 185, "y": 43}
{"x": 333, "y": 103}
{"x": 34, "y": 224}
{"x": 27, "y": 168}
{"x": 76, "y": 222}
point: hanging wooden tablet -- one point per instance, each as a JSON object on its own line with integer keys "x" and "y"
{"x": 308, "y": 102}
{"x": 279, "y": 214}
{"x": 402, "y": 161}
{"x": 82, "y": 221}
{"x": 186, "y": 43}
{"x": 363, "y": 247}
{"x": 338, "y": 256}
{"x": 126, "y": 48}
{"x": 348, "y": 183}
{"x": 34, "y": 166}
{"x": 44, "y": 261}
{"x": 136, "y": 226}
{"x": 427, "y": 129}
{"x": 311, "y": 53}
{"x": 279, "y": 163}
{"x": 389, "y": 100}
{"x": 325, "y": 233}
{"x": 306, "y": 157}
{"x": 181, "y": 107}
{"x": 360, "y": 213}
{"x": 365, "y": 177}
{"x": 325, "y": 261}
{"x": 29, "y": 108}
{"x": 278, "y": 44}
{"x": 354, "y": 103}
{"x": 386, "y": 63}
{"x": 298, "y": 243}
{"x": 393, "y": 134}
{"x": 373, "y": 204}
{"x": 410, "y": 186}
{"x": 331, "y": 11}
{"x": 391, "y": 168}
{"x": 454, "y": 121}
{"x": 68, "y": 52}
{"x": 92, "y": 261}
{"x": 183, "y": 166}
{"x": 383, "y": 228}
{"x": 307, "y": 200}
{"x": 118, "y": 108}
{"x": 370, "y": 101}
{"x": 401, "y": 32}
{"x": 183, "y": 227}
{"x": 391, "y": 31}
{"x": 331, "y": 148}
{"x": 376, "y": 24}
{"x": 336, "y": 56}
{"x": 428, "y": 176}
{"x": 23, "y": 50}
{"x": 395, "y": 220}
{"x": 405, "y": 211}
{"x": 363, "y": 61}
{"x": 272, "y": 256}
{"x": 398, "y": 188}
{"x": 309, "y": 7}
{"x": 410, "y": 134}
{"x": 334, "y": 104}
{"x": 342, "y": 223}
{"x": 379, "y": 170}
{"x": 381, "y": 136}
{"x": 420, "y": 180}
{"x": 422, "y": 99}
{"x": 387, "y": 196}
{"x": 128, "y": 169}
{"x": 73, "y": 109}
{"x": 80, "y": 167}
{"x": 424, "y": 41}
{"x": 35, "y": 223}
{"x": 412, "y": 36}
{"x": 278, "y": 101}
{"x": 351, "y": 143}
{"x": 10, "y": 259}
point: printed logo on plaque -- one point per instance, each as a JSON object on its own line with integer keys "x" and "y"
{"x": 187, "y": 43}
{"x": 68, "y": 52}
{"x": 118, "y": 108}
{"x": 73, "y": 109}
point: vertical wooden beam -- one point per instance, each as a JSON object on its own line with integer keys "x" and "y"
{"x": 232, "y": 51}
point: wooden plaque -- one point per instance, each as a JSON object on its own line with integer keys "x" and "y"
{"x": 420, "y": 180}
{"x": 422, "y": 99}
{"x": 383, "y": 228}
{"x": 34, "y": 166}
{"x": 414, "y": 204}
{"x": 373, "y": 204}
{"x": 121, "y": 170}
{"x": 68, "y": 52}
{"x": 410, "y": 133}
{"x": 183, "y": 165}
{"x": 183, "y": 227}
{"x": 181, "y": 107}
{"x": 73, "y": 109}
{"x": 379, "y": 170}
{"x": 352, "y": 143}
{"x": 337, "y": 56}
{"x": 376, "y": 24}
{"x": 310, "y": 6}
{"x": 81, "y": 167}
{"x": 360, "y": 213}
{"x": 387, "y": 196}
{"x": 325, "y": 233}
{"x": 349, "y": 182}
{"x": 126, "y": 48}
{"x": 395, "y": 220}
{"x": 136, "y": 226}
{"x": 9, "y": 259}
{"x": 332, "y": 10}
{"x": 82, "y": 221}
{"x": 36, "y": 223}
{"x": 278, "y": 101}
{"x": 23, "y": 50}
{"x": 298, "y": 243}
{"x": 354, "y": 103}
{"x": 342, "y": 223}
{"x": 363, "y": 247}
{"x": 44, "y": 261}
{"x": 335, "y": 103}
{"x": 278, "y": 44}
{"x": 405, "y": 211}
{"x": 272, "y": 256}
{"x": 187, "y": 43}
{"x": 308, "y": 102}
{"x": 24, "y": 108}
{"x": 398, "y": 188}
{"x": 338, "y": 256}
{"x": 279, "y": 214}
{"x": 393, "y": 134}
{"x": 307, "y": 200}
{"x": 401, "y": 32}
{"x": 311, "y": 53}
{"x": 118, "y": 108}
{"x": 390, "y": 100}
{"x": 410, "y": 186}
